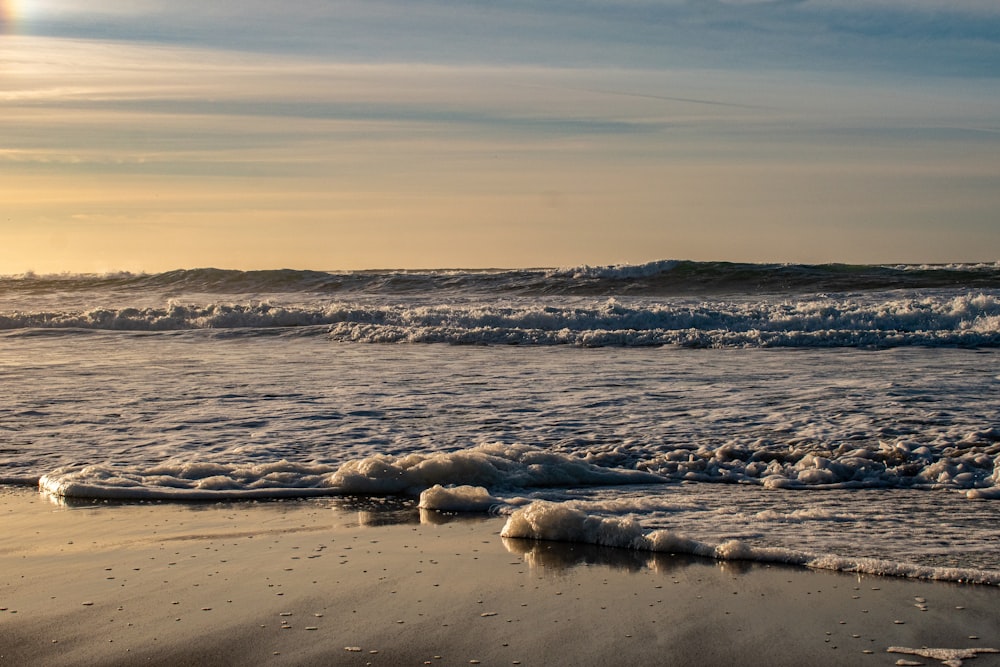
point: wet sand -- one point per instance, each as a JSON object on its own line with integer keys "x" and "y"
{"x": 368, "y": 582}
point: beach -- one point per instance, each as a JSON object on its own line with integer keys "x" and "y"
{"x": 480, "y": 333}
{"x": 355, "y": 581}
{"x": 643, "y": 465}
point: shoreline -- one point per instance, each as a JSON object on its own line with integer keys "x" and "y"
{"x": 374, "y": 581}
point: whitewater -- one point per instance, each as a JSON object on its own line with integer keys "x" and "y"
{"x": 842, "y": 417}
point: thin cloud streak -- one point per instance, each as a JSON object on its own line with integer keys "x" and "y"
{"x": 953, "y": 38}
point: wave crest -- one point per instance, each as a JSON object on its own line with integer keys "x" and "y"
{"x": 658, "y": 278}
{"x": 945, "y": 319}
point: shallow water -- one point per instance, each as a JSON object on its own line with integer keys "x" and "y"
{"x": 153, "y": 407}
{"x": 824, "y": 447}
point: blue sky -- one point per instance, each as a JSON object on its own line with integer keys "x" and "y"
{"x": 149, "y": 135}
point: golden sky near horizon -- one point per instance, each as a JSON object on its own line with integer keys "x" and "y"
{"x": 147, "y": 136}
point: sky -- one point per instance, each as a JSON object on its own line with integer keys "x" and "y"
{"x": 146, "y": 135}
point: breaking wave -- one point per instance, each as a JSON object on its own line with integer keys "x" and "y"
{"x": 869, "y": 320}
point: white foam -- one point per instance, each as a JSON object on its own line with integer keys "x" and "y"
{"x": 800, "y": 515}
{"x": 952, "y": 657}
{"x": 495, "y": 466}
{"x": 190, "y": 481}
{"x": 557, "y": 522}
{"x": 616, "y": 271}
{"x": 865, "y": 320}
{"x": 192, "y": 417}
{"x": 892, "y": 465}
{"x": 458, "y": 499}
{"x": 809, "y": 322}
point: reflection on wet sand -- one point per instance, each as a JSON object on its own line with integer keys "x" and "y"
{"x": 565, "y": 555}
{"x": 373, "y": 511}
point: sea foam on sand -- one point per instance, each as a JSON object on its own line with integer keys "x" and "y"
{"x": 494, "y": 465}
{"x": 557, "y": 522}
{"x": 458, "y": 499}
{"x": 336, "y": 581}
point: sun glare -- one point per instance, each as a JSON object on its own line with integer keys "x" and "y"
{"x": 6, "y": 17}
{"x": 14, "y": 14}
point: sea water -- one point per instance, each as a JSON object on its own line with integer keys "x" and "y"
{"x": 835, "y": 416}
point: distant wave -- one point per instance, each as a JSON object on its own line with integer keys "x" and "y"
{"x": 690, "y": 304}
{"x": 662, "y": 278}
{"x": 692, "y": 278}
{"x": 894, "y": 320}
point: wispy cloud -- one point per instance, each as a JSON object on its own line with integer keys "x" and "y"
{"x": 923, "y": 36}
{"x": 631, "y": 126}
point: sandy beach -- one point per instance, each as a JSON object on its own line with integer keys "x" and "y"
{"x": 359, "y": 582}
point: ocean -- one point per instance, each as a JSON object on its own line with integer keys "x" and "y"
{"x": 835, "y": 416}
